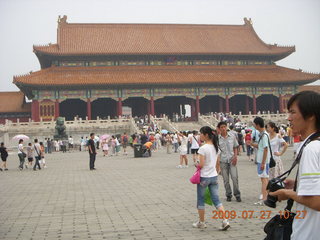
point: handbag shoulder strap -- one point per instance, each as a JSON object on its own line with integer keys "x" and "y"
{"x": 268, "y": 142}
{"x": 36, "y": 150}
{"x": 269, "y": 145}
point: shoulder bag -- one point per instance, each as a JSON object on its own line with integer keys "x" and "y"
{"x": 195, "y": 179}
{"x": 272, "y": 162}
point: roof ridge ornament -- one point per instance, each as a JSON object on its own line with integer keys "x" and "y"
{"x": 62, "y": 20}
{"x": 247, "y": 21}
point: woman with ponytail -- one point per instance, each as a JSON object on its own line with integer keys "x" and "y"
{"x": 210, "y": 167}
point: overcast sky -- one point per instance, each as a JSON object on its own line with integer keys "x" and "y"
{"x": 28, "y": 22}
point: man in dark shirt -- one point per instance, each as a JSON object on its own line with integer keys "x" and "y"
{"x": 92, "y": 151}
{"x": 143, "y": 138}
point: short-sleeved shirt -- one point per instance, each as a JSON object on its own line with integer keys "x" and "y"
{"x": 37, "y": 149}
{"x": 210, "y": 155}
{"x": 308, "y": 185}
{"x": 3, "y": 151}
{"x": 262, "y": 144}
{"x": 20, "y": 148}
{"x": 255, "y": 135}
{"x": 247, "y": 138}
{"x": 194, "y": 142}
{"x": 29, "y": 152}
{"x": 226, "y": 145}
{"x": 92, "y": 145}
{"x": 276, "y": 144}
{"x": 143, "y": 139}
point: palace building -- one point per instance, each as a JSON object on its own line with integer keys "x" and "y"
{"x": 14, "y": 106}
{"x": 94, "y": 70}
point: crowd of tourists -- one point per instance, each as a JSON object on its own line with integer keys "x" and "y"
{"x": 218, "y": 154}
{"x": 31, "y": 156}
{"x": 216, "y": 151}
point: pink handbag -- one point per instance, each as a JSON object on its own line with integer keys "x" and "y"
{"x": 195, "y": 179}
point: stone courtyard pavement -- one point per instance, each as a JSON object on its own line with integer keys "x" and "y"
{"x": 125, "y": 198}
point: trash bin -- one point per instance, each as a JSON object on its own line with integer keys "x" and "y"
{"x": 137, "y": 150}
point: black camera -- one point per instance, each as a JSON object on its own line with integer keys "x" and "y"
{"x": 273, "y": 185}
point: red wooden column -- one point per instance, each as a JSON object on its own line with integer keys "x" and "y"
{"x": 119, "y": 107}
{"x": 197, "y": 107}
{"x": 280, "y": 104}
{"x": 193, "y": 108}
{"x": 152, "y": 106}
{"x": 149, "y": 108}
{"x": 35, "y": 111}
{"x": 56, "y": 109}
{"x": 89, "y": 109}
{"x": 247, "y": 105}
{"x": 254, "y": 111}
{"x": 227, "y": 104}
{"x": 272, "y": 103}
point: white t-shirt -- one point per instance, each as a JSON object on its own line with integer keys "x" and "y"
{"x": 262, "y": 144}
{"x": 37, "y": 149}
{"x": 20, "y": 148}
{"x": 175, "y": 138}
{"x": 194, "y": 142}
{"x": 308, "y": 185}
{"x": 210, "y": 157}
{"x": 157, "y": 136}
{"x": 276, "y": 144}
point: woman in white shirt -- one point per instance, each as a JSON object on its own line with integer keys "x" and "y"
{"x": 276, "y": 143}
{"x": 194, "y": 142}
{"x": 210, "y": 166}
{"x": 21, "y": 154}
{"x": 183, "y": 148}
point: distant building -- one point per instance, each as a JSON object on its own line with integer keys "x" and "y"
{"x": 13, "y": 106}
{"x": 315, "y": 88}
{"x": 95, "y": 69}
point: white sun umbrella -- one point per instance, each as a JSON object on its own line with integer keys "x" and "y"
{"x": 20, "y": 136}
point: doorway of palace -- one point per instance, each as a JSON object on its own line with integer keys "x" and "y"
{"x": 174, "y": 105}
{"x": 103, "y": 107}
{"x": 212, "y": 104}
{"x": 71, "y": 108}
{"x": 241, "y": 103}
{"x": 139, "y": 106}
{"x": 268, "y": 102}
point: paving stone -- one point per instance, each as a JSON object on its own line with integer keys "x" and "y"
{"x": 125, "y": 198}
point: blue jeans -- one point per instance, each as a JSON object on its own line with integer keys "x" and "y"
{"x": 212, "y": 184}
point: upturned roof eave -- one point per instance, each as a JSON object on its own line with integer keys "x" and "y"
{"x": 284, "y": 53}
{"x": 22, "y": 86}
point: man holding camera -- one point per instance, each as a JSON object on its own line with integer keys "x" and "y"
{"x": 262, "y": 157}
{"x": 304, "y": 117}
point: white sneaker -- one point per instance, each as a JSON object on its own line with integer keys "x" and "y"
{"x": 186, "y": 166}
{"x": 199, "y": 224}
{"x": 179, "y": 166}
{"x": 259, "y": 203}
{"x": 225, "y": 225}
